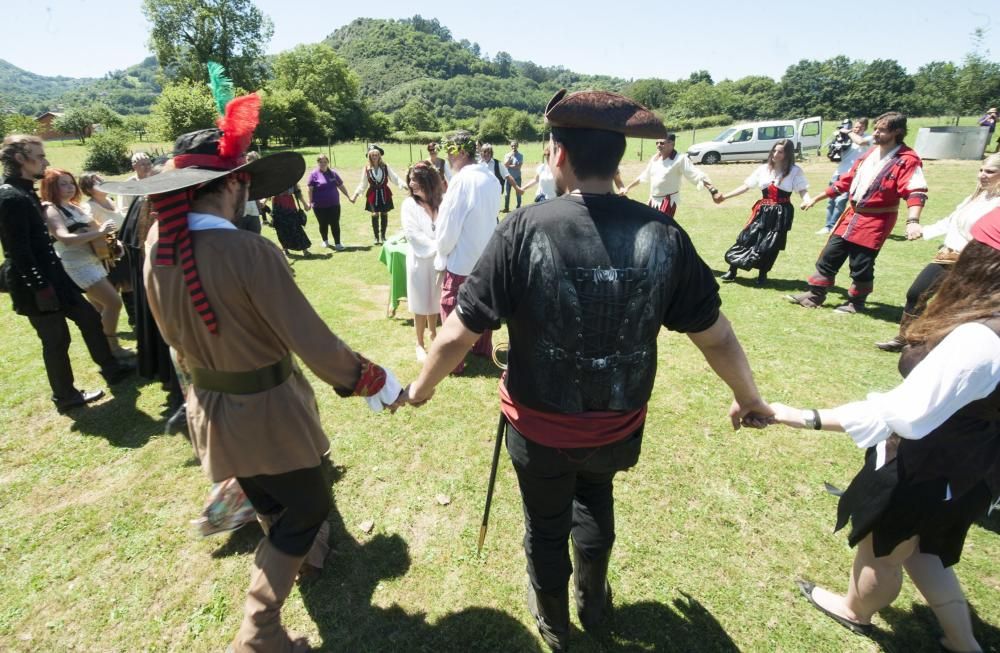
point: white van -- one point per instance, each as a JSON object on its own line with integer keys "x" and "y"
{"x": 752, "y": 141}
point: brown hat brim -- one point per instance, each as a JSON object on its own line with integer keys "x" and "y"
{"x": 269, "y": 176}
{"x": 603, "y": 110}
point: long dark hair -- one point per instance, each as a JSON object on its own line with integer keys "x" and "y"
{"x": 970, "y": 292}
{"x": 789, "y": 159}
{"x": 430, "y": 182}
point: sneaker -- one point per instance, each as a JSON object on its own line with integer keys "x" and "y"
{"x": 848, "y": 308}
{"x": 824, "y": 231}
{"x": 421, "y": 354}
{"x": 338, "y": 247}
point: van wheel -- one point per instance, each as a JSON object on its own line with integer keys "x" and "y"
{"x": 711, "y": 158}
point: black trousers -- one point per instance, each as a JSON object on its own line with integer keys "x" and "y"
{"x": 328, "y": 218}
{"x": 301, "y": 498}
{"x": 926, "y": 282}
{"x": 53, "y": 331}
{"x": 861, "y": 261}
{"x": 567, "y": 492}
{"x": 379, "y": 220}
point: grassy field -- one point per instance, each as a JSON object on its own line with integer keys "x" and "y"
{"x": 96, "y": 553}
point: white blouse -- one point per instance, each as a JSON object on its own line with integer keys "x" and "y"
{"x": 957, "y": 227}
{"x": 963, "y": 367}
{"x": 546, "y": 181}
{"x": 377, "y": 175}
{"x": 418, "y": 227}
{"x": 99, "y": 214}
{"x": 763, "y": 175}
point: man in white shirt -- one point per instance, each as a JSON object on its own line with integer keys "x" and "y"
{"x": 664, "y": 171}
{"x": 860, "y": 141}
{"x": 465, "y": 223}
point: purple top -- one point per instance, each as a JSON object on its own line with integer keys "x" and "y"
{"x": 325, "y": 187}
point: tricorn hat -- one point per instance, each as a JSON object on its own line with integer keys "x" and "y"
{"x": 603, "y": 110}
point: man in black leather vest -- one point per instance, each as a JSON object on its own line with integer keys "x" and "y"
{"x": 584, "y": 282}
{"x": 39, "y": 287}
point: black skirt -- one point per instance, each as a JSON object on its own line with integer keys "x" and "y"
{"x": 764, "y": 235}
{"x": 893, "y": 507}
{"x": 291, "y": 233}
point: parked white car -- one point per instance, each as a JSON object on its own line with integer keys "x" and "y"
{"x": 752, "y": 141}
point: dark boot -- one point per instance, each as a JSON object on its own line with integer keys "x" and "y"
{"x": 271, "y": 582}
{"x": 812, "y": 298}
{"x": 896, "y": 343}
{"x": 128, "y": 301}
{"x": 551, "y": 613}
{"x": 761, "y": 278}
{"x": 731, "y": 275}
{"x": 177, "y": 423}
{"x": 592, "y": 590}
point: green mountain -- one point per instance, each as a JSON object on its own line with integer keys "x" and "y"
{"x": 126, "y": 91}
{"x": 397, "y": 60}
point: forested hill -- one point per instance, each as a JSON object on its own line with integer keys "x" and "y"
{"x": 132, "y": 90}
{"x": 396, "y": 60}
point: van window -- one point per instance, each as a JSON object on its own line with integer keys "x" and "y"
{"x": 810, "y": 129}
{"x": 742, "y": 137}
{"x": 772, "y": 133}
{"x": 724, "y": 135}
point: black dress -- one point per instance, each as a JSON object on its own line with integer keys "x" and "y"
{"x": 289, "y": 221}
{"x": 765, "y": 233}
{"x": 906, "y": 496}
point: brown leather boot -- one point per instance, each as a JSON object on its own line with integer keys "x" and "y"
{"x": 271, "y": 582}
{"x": 897, "y": 342}
{"x": 812, "y": 298}
{"x": 591, "y": 587}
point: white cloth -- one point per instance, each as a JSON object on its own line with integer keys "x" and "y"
{"x": 78, "y": 259}
{"x": 851, "y": 155}
{"x": 957, "y": 227}
{"x": 664, "y": 176}
{"x": 203, "y": 221}
{"x": 251, "y": 208}
{"x": 466, "y": 219}
{"x": 423, "y": 290}
{"x": 546, "y": 181}
{"x": 763, "y": 175}
{"x": 872, "y": 166}
{"x": 489, "y": 167}
{"x": 388, "y": 394}
{"x": 964, "y": 366}
{"x": 99, "y": 214}
{"x": 377, "y": 175}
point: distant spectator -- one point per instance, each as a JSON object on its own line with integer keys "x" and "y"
{"x": 325, "y": 186}
{"x": 543, "y": 177}
{"x": 990, "y": 122}
{"x": 439, "y": 164}
{"x": 513, "y": 162}
{"x": 493, "y": 166}
{"x": 861, "y": 140}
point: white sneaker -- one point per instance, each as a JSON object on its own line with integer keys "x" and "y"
{"x": 326, "y": 244}
{"x": 338, "y": 247}
{"x": 421, "y": 354}
{"x": 824, "y": 231}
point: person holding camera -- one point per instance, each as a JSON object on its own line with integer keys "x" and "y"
{"x": 855, "y": 141}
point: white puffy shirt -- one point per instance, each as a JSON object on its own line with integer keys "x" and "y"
{"x": 957, "y": 227}
{"x": 466, "y": 219}
{"x": 664, "y": 175}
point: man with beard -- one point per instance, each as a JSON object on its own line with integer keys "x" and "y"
{"x": 883, "y": 176}
{"x": 584, "y": 282}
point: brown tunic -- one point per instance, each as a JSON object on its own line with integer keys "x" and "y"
{"x": 262, "y": 317}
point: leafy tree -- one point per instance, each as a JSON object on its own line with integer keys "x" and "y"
{"x": 502, "y": 124}
{"x": 108, "y": 152}
{"x": 17, "y": 123}
{"x": 187, "y": 34}
{"x": 136, "y": 125}
{"x": 289, "y": 116}
{"x": 78, "y": 122}
{"x": 102, "y": 114}
{"x": 183, "y": 107}
{"x": 698, "y": 99}
{"x": 504, "y": 64}
{"x": 935, "y": 87}
{"x": 414, "y": 116}
{"x": 883, "y": 86}
{"x": 751, "y": 98}
{"x": 326, "y": 81}
{"x": 700, "y": 76}
{"x": 378, "y": 126}
{"x": 978, "y": 84}
{"x": 652, "y": 93}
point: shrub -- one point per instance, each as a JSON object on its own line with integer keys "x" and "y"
{"x": 108, "y": 152}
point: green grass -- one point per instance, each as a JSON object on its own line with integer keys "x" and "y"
{"x": 96, "y": 553}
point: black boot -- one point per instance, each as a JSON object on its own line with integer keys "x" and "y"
{"x": 177, "y": 423}
{"x": 551, "y": 613}
{"x": 731, "y": 275}
{"x": 761, "y": 278}
{"x": 593, "y": 592}
{"x": 128, "y": 301}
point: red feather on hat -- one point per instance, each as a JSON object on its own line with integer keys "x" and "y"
{"x": 242, "y": 116}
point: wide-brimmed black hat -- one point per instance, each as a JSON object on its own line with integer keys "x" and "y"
{"x": 196, "y": 162}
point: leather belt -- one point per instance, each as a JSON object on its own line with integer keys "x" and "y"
{"x": 874, "y": 209}
{"x": 243, "y": 383}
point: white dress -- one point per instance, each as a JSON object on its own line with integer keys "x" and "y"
{"x": 79, "y": 260}
{"x": 423, "y": 291}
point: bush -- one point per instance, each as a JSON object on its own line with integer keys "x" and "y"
{"x": 108, "y": 152}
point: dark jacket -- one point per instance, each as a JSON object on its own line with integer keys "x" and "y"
{"x": 31, "y": 263}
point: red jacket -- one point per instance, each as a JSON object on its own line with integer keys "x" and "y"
{"x": 870, "y": 221}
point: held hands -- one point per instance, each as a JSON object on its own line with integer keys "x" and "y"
{"x": 806, "y": 205}
{"x": 755, "y": 414}
{"x": 914, "y": 231}
{"x": 718, "y": 198}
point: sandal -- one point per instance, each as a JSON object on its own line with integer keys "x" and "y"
{"x": 859, "y": 629}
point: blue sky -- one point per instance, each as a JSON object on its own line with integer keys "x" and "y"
{"x": 86, "y": 38}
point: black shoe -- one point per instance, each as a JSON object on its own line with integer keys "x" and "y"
{"x": 177, "y": 423}
{"x": 551, "y": 613}
{"x": 761, "y": 279}
{"x": 591, "y": 588}
{"x": 859, "y": 629}
{"x": 77, "y": 400}
{"x": 119, "y": 372}
{"x": 729, "y": 276}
